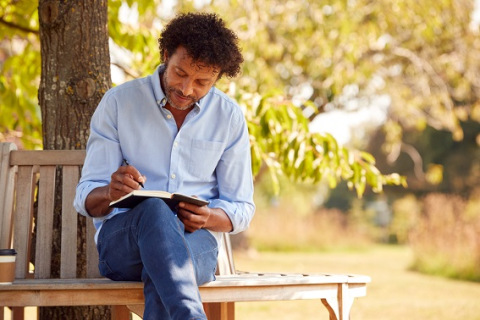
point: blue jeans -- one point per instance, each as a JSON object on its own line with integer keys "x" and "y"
{"x": 149, "y": 243}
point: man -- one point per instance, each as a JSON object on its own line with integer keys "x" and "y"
{"x": 180, "y": 134}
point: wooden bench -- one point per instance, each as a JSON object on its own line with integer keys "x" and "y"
{"x": 27, "y": 176}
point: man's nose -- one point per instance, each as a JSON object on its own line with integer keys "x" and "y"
{"x": 187, "y": 87}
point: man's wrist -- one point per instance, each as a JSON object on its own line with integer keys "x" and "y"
{"x": 98, "y": 201}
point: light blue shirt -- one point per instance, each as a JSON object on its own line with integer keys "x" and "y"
{"x": 209, "y": 156}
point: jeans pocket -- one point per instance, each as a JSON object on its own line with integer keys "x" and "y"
{"x": 106, "y": 271}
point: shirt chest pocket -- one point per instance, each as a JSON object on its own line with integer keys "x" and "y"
{"x": 204, "y": 158}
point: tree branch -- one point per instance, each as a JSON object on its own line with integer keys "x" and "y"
{"x": 424, "y": 65}
{"x": 17, "y": 27}
{"x": 126, "y": 70}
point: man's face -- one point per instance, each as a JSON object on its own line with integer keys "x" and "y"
{"x": 186, "y": 81}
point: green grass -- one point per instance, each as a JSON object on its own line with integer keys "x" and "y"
{"x": 396, "y": 293}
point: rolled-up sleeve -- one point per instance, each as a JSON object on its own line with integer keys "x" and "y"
{"x": 83, "y": 189}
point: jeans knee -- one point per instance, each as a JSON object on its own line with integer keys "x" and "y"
{"x": 155, "y": 213}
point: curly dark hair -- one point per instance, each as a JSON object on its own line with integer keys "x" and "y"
{"x": 206, "y": 39}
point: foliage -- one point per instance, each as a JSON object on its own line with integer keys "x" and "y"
{"x": 337, "y": 231}
{"x": 137, "y": 40}
{"x": 293, "y": 214}
{"x": 424, "y": 55}
{"x": 445, "y": 239}
{"x": 281, "y": 140}
{"x": 406, "y": 211}
{"x": 19, "y": 46}
{"x": 434, "y": 161}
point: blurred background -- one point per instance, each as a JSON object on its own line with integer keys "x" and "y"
{"x": 398, "y": 80}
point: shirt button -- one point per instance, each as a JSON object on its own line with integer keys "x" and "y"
{"x": 173, "y": 175}
{"x": 175, "y": 144}
{"x": 169, "y": 116}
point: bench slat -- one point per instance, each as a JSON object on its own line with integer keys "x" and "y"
{"x": 23, "y": 218}
{"x": 225, "y": 257}
{"x": 224, "y": 289}
{"x": 47, "y": 157}
{"x": 92, "y": 253}
{"x": 68, "y": 263}
{"x": 44, "y": 222}
{"x": 247, "y": 279}
{"x": 7, "y": 176}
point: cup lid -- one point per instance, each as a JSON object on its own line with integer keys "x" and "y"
{"x": 7, "y": 252}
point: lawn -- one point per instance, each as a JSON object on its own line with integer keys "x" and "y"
{"x": 394, "y": 294}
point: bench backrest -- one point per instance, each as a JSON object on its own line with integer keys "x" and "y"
{"x": 29, "y": 177}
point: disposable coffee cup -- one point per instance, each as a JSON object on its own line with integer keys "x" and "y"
{"x": 7, "y": 265}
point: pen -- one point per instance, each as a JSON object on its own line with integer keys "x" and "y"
{"x": 127, "y": 164}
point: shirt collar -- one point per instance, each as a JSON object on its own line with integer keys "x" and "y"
{"x": 157, "y": 88}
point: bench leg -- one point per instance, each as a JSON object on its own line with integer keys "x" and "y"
{"x": 339, "y": 308}
{"x": 18, "y": 313}
{"x": 214, "y": 311}
{"x": 220, "y": 310}
{"x": 138, "y": 309}
{"x": 332, "y": 307}
{"x": 120, "y": 313}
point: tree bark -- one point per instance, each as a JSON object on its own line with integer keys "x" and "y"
{"x": 75, "y": 68}
{"x": 75, "y": 75}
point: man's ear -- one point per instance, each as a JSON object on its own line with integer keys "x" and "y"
{"x": 165, "y": 56}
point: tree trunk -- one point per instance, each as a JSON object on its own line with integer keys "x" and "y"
{"x": 75, "y": 75}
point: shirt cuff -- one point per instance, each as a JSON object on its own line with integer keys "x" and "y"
{"x": 83, "y": 191}
{"x": 238, "y": 213}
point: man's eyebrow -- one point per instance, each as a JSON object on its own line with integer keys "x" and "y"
{"x": 178, "y": 68}
{"x": 214, "y": 72}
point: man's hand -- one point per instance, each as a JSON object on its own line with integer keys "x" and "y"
{"x": 204, "y": 217}
{"x": 123, "y": 181}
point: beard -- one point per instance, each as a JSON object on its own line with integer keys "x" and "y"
{"x": 169, "y": 91}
